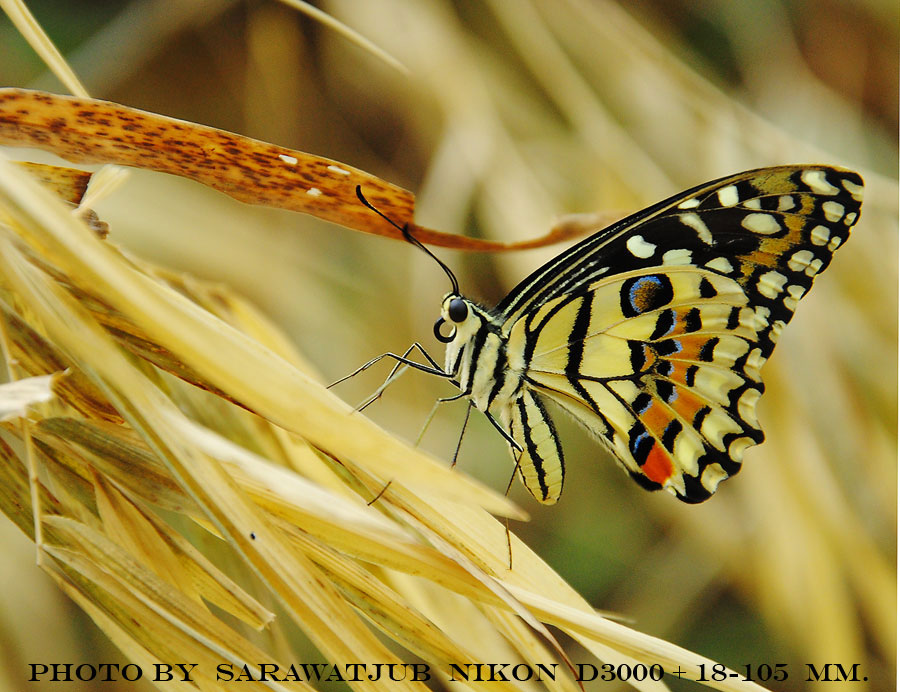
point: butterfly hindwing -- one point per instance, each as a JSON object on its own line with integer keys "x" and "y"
{"x": 657, "y": 365}
{"x": 652, "y": 332}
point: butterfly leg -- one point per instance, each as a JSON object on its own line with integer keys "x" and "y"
{"x": 430, "y": 416}
{"x": 509, "y": 544}
{"x": 402, "y": 363}
{"x": 395, "y": 373}
{"x": 461, "y": 433}
{"x": 515, "y": 446}
{"x": 416, "y": 345}
{"x": 433, "y": 368}
{"x": 399, "y": 368}
{"x": 518, "y": 458}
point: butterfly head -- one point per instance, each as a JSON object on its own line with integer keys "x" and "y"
{"x": 461, "y": 316}
{"x": 460, "y": 321}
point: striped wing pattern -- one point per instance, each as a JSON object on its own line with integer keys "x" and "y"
{"x": 652, "y": 332}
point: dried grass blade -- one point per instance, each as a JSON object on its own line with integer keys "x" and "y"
{"x": 17, "y": 396}
{"x": 34, "y": 355}
{"x": 147, "y": 610}
{"x": 119, "y": 454}
{"x": 345, "y": 31}
{"x": 482, "y": 539}
{"x": 306, "y": 594}
{"x": 590, "y": 628}
{"x": 24, "y": 21}
{"x": 396, "y": 616}
{"x": 263, "y": 382}
{"x": 171, "y": 556}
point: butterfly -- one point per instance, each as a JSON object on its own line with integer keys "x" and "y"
{"x": 651, "y": 332}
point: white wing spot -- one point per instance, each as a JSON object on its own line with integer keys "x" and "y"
{"x": 740, "y": 445}
{"x": 689, "y": 203}
{"x": 814, "y": 267}
{"x": 819, "y": 235}
{"x": 747, "y": 319}
{"x": 833, "y": 210}
{"x": 833, "y": 244}
{"x": 764, "y": 224}
{"x": 712, "y": 476}
{"x": 786, "y": 203}
{"x": 753, "y": 203}
{"x": 677, "y": 256}
{"x": 694, "y": 222}
{"x": 314, "y": 192}
{"x": 854, "y": 189}
{"x": 771, "y": 284}
{"x": 777, "y": 328}
{"x": 746, "y": 405}
{"x": 815, "y": 180}
{"x": 721, "y": 264}
{"x": 752, "y": 365}
{"x": 850, "y": 219}
{"x": 338, "y": 170}
{"x": 800, "y": 260}
{"x": 288, "y": 159}
{"x": 794, "y": 294}
{"x": 728, "y": 196}
{"x": 762, "y": 315}
{"x": 796, "y": 291}
{"x": 639, "y": 247}
{"x": 716, "y": 425}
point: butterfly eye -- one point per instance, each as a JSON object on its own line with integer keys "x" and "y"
{"x": 458, "y": 310}
{"x": 437, "y": 332}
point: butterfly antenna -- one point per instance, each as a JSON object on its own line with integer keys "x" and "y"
{"x": 410, "y": 238}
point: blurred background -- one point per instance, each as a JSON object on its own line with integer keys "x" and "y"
{"x": 513, "y": 113}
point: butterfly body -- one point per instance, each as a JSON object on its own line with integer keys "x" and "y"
{"x": 652, "y": 332}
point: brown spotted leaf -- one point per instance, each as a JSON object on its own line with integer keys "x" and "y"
{"x": 87, "y": 130}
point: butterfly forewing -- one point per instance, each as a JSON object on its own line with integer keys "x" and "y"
{"x": 652, "y": 332}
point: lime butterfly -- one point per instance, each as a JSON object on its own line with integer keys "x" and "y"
{"x": 652, "y": 331}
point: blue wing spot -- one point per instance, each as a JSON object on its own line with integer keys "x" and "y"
{"x": 665, "y": 323}
{"x": 641, "y": 403}
{"x": 640, "y": 443}
{"x": 666, "y": 391}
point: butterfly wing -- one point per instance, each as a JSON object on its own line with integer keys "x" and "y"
{"x": 652, "y": 332}
{"x": 662, "y": 366}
